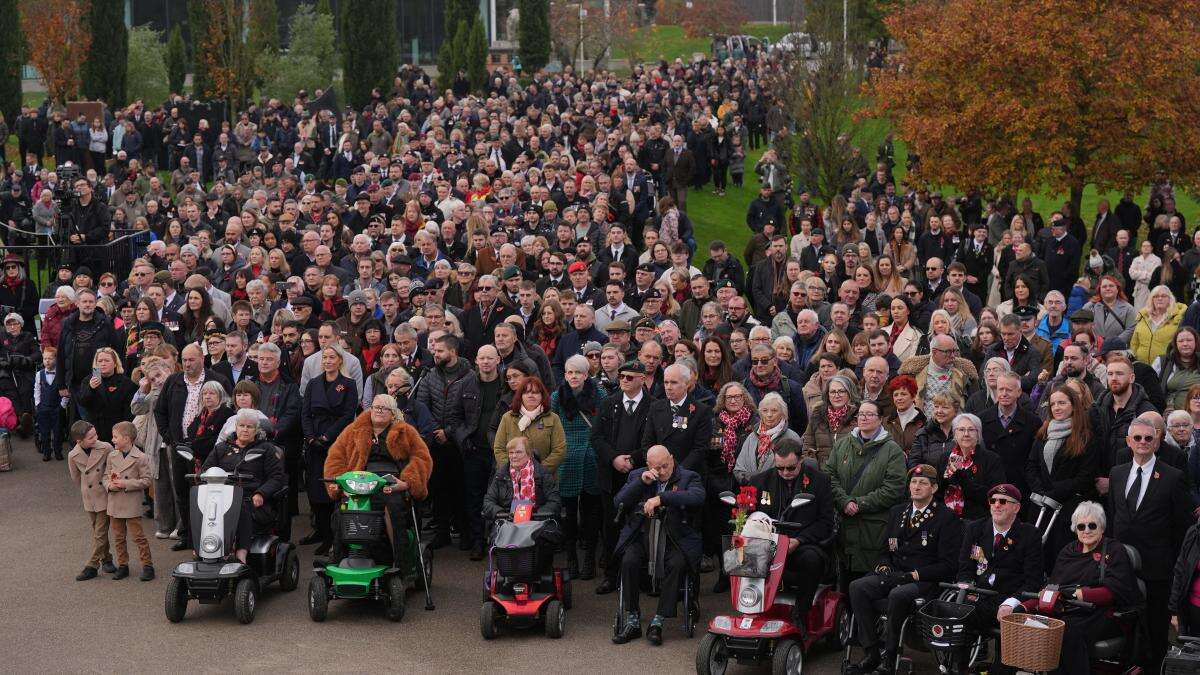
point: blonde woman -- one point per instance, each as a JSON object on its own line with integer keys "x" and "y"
{"x": 1156, "y": 325}
{"x": 107, "y": 393}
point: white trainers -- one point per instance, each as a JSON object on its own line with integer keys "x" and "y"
{"x": 174, "y": 534}
{"x": 162, "y": 535}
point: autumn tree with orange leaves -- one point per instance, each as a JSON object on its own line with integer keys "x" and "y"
{"x": 1058, "y": 94}
{"x": 59, "y": 40}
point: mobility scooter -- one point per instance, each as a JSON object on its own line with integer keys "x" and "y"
{"x": 522, "y": 587}
{"x": 216, "y": 573}
{"x": 762, "y": 628}
{"x": 364, "y": 533}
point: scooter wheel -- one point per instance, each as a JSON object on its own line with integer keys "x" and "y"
{"x": 840, "y": 634}
{"x": 318, "y": 598}
{"x": 487, "y": 620}
{"x": 395, "y": 598}
{"x": 712, "y": 655}
{"x": 245, "y": 600}
{"x": 556, "y": 619}
{"x": 290, "y": 578}
{"x": 176, "y": 600}
{"x": 789, "y": 658}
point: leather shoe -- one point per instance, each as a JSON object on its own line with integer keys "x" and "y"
{"x": 868, "y": 665}
{"x": 632, "y": 630}
{"x": 887, "y": 664}
{"x": 654, "y": 633}
{"x": 108, "y": 567}
{"x": 180, "y": 546}
{"x": 121, "y": 573}
{"x": 312, "y": 538}
{"x": 147, "y": 573}
{"x": 87, "y": 573}
{"x": 605, "y": 587}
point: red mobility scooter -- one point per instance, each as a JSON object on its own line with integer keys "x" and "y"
{"x": 522, "y": 587}
{"x": 761, "y": 628}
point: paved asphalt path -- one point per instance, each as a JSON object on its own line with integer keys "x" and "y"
{"x": 52, "y": 623}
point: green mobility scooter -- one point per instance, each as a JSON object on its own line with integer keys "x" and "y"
{"x": 367, "y": 569}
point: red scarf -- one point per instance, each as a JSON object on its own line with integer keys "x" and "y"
{"x": 895, "y": 333}
{"x": 731, "y": 423}
{"x": 771, "y": 382}
{"x": 522, "y": 482}
{"x": 204, "y": 415}
{"x": 765, "y": 444}
{"x": 836, "y": 417}
{"x": 954, "y": 493}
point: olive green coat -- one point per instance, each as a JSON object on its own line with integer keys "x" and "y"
{"x": 546, "y": 436}
{"x": 881, "y": 486}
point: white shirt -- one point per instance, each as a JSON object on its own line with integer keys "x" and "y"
{"x": 1147, "y": 472}
{"x": 636, "y": 401}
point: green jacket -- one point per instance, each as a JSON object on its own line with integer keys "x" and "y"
{"x": 881, "y": 486}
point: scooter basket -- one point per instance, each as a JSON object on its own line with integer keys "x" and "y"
{"x": 362, "y": 527}
{"x": 1029, "y": 645}
{"x": 945, "y": 623}
{"x": 1183, "y": 659}
{"x": 517, "y": 563}
{"x": 748, "y": 557}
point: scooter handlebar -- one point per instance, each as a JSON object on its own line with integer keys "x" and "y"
{"x": 969, "y": 588}
{"x": 1062, "y": 599}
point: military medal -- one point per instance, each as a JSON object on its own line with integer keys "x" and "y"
{"x": 892, "y": 544}
{"x": 924, "y": 538}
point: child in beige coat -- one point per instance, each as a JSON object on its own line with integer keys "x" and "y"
{"x": 126, "y": 479}
{"x": 87, "y": 463}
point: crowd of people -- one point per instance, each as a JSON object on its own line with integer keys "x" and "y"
{"x": 512, "y": 280}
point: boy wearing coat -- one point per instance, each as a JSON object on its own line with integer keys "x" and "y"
{"x": 87, "y": 463}
{"x": 126, "y": 478}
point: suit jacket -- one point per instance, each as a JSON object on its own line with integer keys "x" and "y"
{"x": 168, "y": 410}
{"x": 87, "y": 472}
{"x": 687, "y": 438}
{"x": 679, "y": 170}
{"x": 1157, "y": 527}
{"x": 1013, "y": 443}
{"x": 134, "y": 472}
{"x": 817, "y": 520}
{"x": 1026, "y": 361}
{"x": 204, "y": 166}
{"x": 612, "y": 424}
{"x": 476, "y": 332}
{"x": 682, "y": 499}
{"x": 929, "y": 547}
{"x": 1013, "y": 568}
{"x": 224, "y": 369}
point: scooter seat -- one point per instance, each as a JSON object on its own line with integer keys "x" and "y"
{"x": 356, "y": 563}
{"x": 1110, "y": 649}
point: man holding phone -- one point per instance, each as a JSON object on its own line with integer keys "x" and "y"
{"x": 82, "y": 334}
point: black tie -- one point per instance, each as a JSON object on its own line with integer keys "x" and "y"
{"x": 675, "y": 411}
{"x": 1135, "y": 490}
{"x": 629, "y": 406}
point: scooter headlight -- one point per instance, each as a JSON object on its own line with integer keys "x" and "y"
{"x": 723, "y": 622}
{"x": 230, "y": 568}
{"x": 771, "y": 627}
{"x": 210, "y": 544}
{"x": 361, "y": 486}
{"x": 185, "y": 568}
{"x": 749, "y": 597}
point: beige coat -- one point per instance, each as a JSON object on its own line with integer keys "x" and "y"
{"x": 134, "y": 472}
{"x": 87, "y": 472}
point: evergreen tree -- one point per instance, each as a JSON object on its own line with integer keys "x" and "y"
{"x": 197, "y": 33}
{"x": 447, "y": 60}
{"x": 477, "y": 56}
{"x": 459, "y": 10}
{"x": 369, "y": 49}
{"x": 262, "y": 42}
{"x": 176, "y": 61}
{"x": 12, "y": 46}
{"x": 533, "y": 34}
{"x": 103, "y": 71}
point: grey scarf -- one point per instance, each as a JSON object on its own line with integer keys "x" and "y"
{"x": 1056, "y": 433}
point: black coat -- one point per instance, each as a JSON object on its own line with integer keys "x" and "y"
{"x": 1069, "y": 481}
{"x": 1156, "y": 529}
{"x": 168, "y": 411}
{"x": 1011, "y": 444}
{"x": 1112, "y": 428}
{"x": 987, "y": 471}
{"x": 682, "y": 501}
{"x": 1181, "y": 579}
{"x": 476, "y": 333}
{"x": 249, "y": 371}
{"x": 203, "y": 439}
{"x": 1026, "y": 361}
{"x": 817, "y": 520}
{"x": 1017, "y": 564}
{"x": 23, "y": 297}
{"x": 326, "y": 411}
{"x": 107, "y": 404}
{"x": 687, "y": 438}
{"x": 615, "y": 433}
{"x": 500, "y": 493}
{"x": 105, "y": 336}
{"x": 930, "y": 548}
{"x": 269, "y": 476}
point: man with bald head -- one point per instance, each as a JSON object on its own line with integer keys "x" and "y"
{"x": 177, "y": 406}
{"x": 679, "y": 492}
{"x": 679, "y": 421}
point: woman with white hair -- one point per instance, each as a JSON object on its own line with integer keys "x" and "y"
{"x": 1096, "y": 569}
{"x": 757, "y": 453}
{"x": 64, "y": 304}
{"x": 575, "y": 403}
{"x": 968, "y": 469}
{"x": 234, "y": 454}
{"x": 215, "y": 410}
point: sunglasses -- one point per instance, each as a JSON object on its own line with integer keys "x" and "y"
{"x": 1080, "y": 527}
{"x": 1142, "y": 439}
{"x": 760, "y": 362}
{"x": 1000, "y": 500}
{"x": 627, "y": 377}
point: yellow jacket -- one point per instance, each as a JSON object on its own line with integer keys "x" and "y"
{"x": 1148, "y": 343}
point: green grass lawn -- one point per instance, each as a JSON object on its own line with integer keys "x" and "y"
{"x": 670, "y": 42}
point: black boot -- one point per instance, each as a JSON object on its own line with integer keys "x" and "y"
{"x": 587, "y": 566}
{"x": 121, "y": 573}
{"x": 887, "y": 663}
{"x": 869, "y": 663}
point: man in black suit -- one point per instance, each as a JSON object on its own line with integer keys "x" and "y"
{"x": 1062, "y": 253}
{"x": 1025, "y": 359}
{"x": 1000, "y": 554}
{"x": 680, "y": 166}
{"x": 200, "y": 157}
{"x": 616, "y": 435}
{"x": 1151, "y": 511}
{"x": 1009, "y": 428}
{"x": 679, "y": 421}
{"x": 923, "y": 537}
{"x": 479, "y": 324}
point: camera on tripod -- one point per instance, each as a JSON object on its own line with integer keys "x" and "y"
{"x": 64, "y": 191}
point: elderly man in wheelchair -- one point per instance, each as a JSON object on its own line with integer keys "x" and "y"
{"x": 923, "y": 537}
{"x": 674, "y": 496}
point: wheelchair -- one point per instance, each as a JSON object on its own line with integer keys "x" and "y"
{"x": 656, "y": 539}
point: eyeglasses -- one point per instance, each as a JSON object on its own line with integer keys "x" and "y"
{"x": 932, "y": 269}
{"x": 107, "y": 283}
{"x": 910, "y": 293}
{"x": 763, "y": 362}
{"x": 593, "y": 355}
{"x": 1000, "y": 500}
{"x": 1080, "y": 527}
{"x": 1141, "y": 439}
{"x": 627, "y": 377}
{"x": 380, "y": 409}
{"x": 867, "y": 414}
